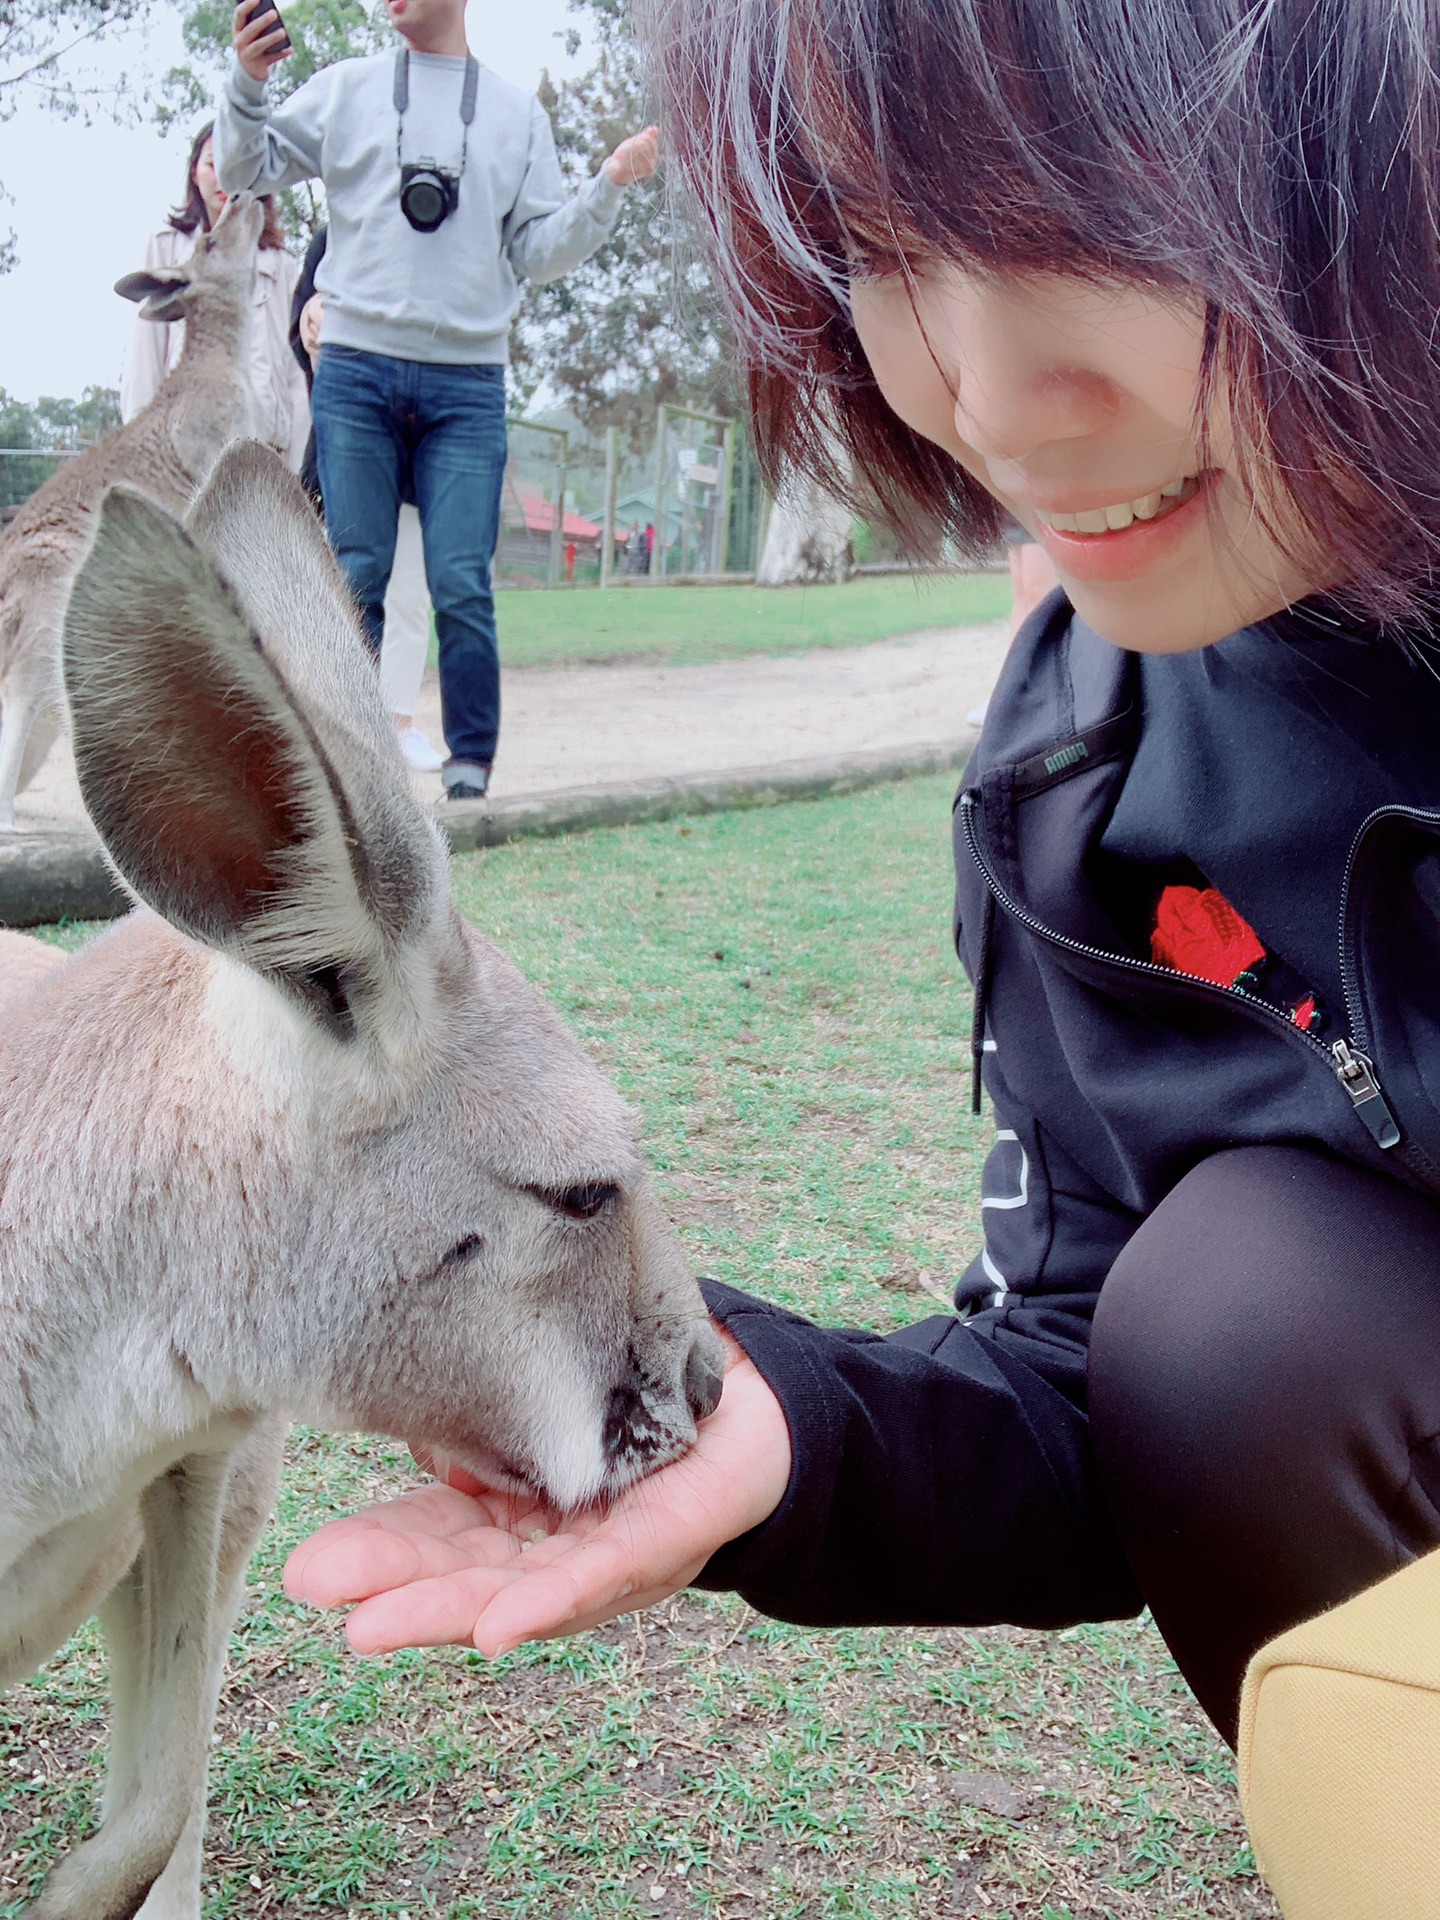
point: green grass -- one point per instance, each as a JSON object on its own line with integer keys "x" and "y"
{"x": 776, "y": 992}
{"x": 691, "y": 626}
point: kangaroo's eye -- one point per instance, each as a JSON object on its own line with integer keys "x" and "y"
{"x": 580, "y": 1203}
{"x": 462, "y": 1250}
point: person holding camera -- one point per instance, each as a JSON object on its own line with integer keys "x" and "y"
{"x": 444, "y": 189}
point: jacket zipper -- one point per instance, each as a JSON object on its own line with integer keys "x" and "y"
{"x": 1351, "y": 1066}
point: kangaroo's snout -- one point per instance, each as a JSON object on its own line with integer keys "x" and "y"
{"x": 704, "y": 1376}
{"x": 644, "y": 1424}
{"x": 241, "y": 211}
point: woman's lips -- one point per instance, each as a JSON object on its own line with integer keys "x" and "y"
{"x": 1131, "y": 551}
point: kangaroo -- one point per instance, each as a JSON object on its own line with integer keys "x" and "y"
{"x": 165, "y": 451}
{"x": 289, "y": 1142}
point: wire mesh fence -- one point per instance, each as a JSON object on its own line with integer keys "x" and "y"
{"x": 532, "y": 547}
{"x": 23, "y": 470}
{"x": 582, "y": 510}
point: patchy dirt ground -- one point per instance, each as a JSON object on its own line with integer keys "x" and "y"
{"x": 604, "y": 725}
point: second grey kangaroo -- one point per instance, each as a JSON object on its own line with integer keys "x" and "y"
{"x": 165, "y": 451}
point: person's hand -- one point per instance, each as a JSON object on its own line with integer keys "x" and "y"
{"x": 311, "y": 314}
{"x": 635, "y": 159}
{"x": 259, "y": 42}
{"x": 463, "y": 1565}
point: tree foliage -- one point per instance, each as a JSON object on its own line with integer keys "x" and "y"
{"x": 38, "y": 39}
{"x": 42, "y": 47}
{"x": 640, "y": 323}
{"x": 49, "y": 426}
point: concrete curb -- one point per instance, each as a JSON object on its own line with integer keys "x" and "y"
{"x": 485, "y": 823}
{"x": 63, "y": 876}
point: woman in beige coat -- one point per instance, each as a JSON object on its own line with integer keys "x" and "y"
{"x": 282, "y": 403}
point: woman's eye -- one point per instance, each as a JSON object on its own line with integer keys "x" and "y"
{"x": 581, "y": 1203}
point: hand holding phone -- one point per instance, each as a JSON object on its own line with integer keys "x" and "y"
{"x": 259, "y": 37}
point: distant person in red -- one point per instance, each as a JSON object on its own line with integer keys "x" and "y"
{"x": 569, "y": 563}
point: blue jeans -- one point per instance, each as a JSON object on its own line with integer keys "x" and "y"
{"x": 388, "y": 431}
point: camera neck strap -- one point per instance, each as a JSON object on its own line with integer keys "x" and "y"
{"x": 467, "y": 99}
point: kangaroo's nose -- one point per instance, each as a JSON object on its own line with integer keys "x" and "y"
{"x": 703, "y": 1378}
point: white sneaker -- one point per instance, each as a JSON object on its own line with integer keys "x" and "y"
{"x": 419, "y": 753}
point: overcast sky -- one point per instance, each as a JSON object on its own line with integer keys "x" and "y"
{"x": 86, "y": 198}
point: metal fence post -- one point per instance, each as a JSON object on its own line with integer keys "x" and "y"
{"x": 557, "y": 522}
{"x": 657, "y": 556}
{"x": 727, "y": 495}
{"x": 607, "y": 516}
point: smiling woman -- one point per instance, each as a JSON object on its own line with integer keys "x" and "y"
{"x": 1157, "y": 278}
{"x": 1100, "y": 289}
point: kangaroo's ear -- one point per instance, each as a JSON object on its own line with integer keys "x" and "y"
{"x": 218, "y": 800}
{"x": 161, "y": 293}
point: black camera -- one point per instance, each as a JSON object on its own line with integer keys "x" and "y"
{"x": 428, "y": 194}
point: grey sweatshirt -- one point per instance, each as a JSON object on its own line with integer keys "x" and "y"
{"x": 446, "y": 297}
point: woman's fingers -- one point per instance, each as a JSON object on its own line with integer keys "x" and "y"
{"x": 569, "y": 1598}
{"x": 259, "y": 40}
{"x": 432, "y": 1531}
{"x": 440, "y": 1612}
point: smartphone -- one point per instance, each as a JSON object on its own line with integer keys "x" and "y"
{"x": 260, "y": 11}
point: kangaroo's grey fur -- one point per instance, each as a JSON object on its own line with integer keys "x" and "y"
{"x": 289, "y": 1142}
{"x": 165, "y": 451}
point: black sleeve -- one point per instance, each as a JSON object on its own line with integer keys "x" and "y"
{"x": 937, "y": 1477}
{"x": 304, "y": 287}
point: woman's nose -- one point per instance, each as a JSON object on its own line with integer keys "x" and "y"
{"x": 1007, "y": 408}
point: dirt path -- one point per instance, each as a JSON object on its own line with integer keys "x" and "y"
{"x": 604, "y": 725}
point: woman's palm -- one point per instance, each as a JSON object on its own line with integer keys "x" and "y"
{"x": 464, "y": 1565}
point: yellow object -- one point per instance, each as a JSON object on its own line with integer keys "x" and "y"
{"x": 1340, "y": 1756}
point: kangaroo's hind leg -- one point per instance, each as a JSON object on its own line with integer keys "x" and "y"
{"x": 168, "y": 1622}
{"x": 250, "y": 1496}
{"x": 29, "y": 684}
{"x": 17, "y": 722}
{"x": 44, "y": 731}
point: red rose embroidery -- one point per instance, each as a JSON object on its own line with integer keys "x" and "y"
{"x": 1201, "y": 933}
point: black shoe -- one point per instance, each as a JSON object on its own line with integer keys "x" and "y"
{"x": 468, "y": 790}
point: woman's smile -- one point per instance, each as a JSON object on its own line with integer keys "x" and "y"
{"x": 1125, "y": 539}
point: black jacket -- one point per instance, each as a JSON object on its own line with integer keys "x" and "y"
{"x": 944, "y": 1473}
{"x": 304, "y": 289}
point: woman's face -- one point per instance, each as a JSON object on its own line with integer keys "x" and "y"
{"x": 208, "y": 185}
{"x": 1075, "y": 406}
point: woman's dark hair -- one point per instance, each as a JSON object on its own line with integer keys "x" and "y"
{"x": 191, "y": 213}
{"x": 1278, "y": 158}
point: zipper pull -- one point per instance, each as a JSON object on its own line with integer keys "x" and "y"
{"x": 1357, "y": 1076}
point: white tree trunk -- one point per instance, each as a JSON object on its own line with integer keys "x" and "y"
{"x": 808, "y": 539}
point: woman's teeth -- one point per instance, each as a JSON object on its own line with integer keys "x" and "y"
{"x": 1115, "y": 519}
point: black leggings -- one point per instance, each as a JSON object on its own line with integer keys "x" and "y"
{"x": 1265, "y": 1400}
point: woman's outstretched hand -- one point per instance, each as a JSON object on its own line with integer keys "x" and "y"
{"x": 463, "y": 1565}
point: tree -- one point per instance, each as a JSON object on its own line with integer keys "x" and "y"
{"x": 39, "y": 40}
{"x": 48, "y": 427}
{"x": 808, "y": 539}
{"x": 640, "y": 323}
